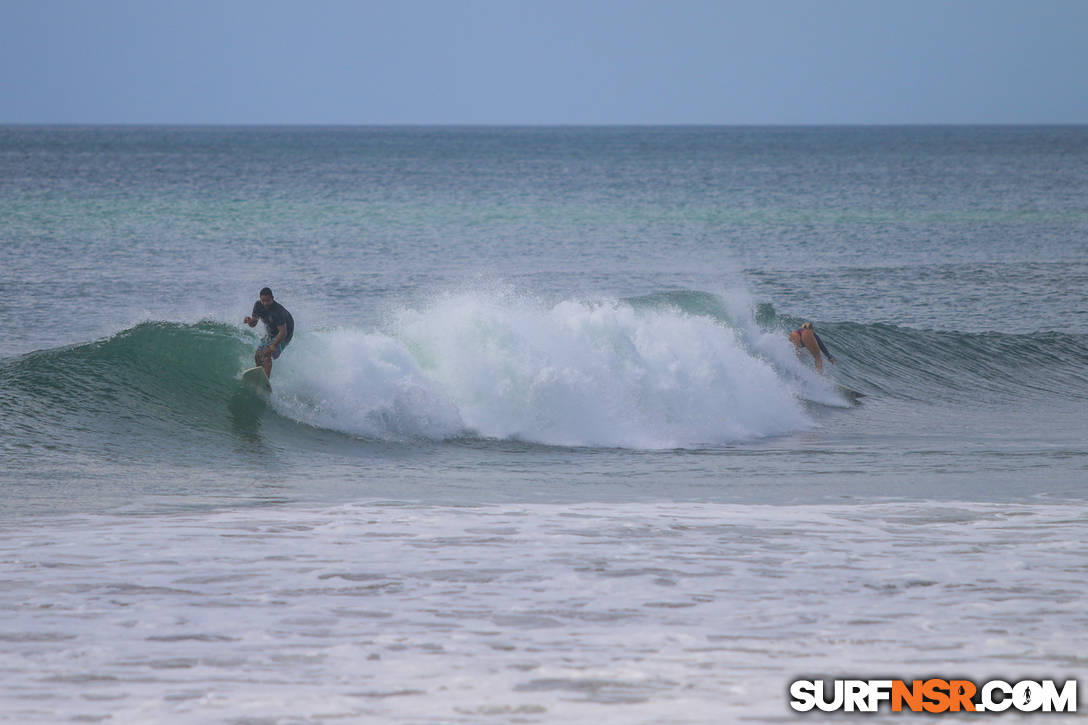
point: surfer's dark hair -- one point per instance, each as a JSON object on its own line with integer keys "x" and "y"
{"x": 266, "y": 291}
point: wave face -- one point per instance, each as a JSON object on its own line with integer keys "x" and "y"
{"x": 678, "y": 369}
{"x": 155, "y": 385}
{"x": 975, "y": 368}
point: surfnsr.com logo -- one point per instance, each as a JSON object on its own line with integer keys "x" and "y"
{"x": 933, "y": 695}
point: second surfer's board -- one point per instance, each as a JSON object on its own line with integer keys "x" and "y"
{"x": 257, "y": 378}
{"x": 851, "y": 395}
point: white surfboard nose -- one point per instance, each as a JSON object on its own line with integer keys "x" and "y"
{"x": 258, "y": 379}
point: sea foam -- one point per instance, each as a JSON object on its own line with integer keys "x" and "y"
{"x": 575, "y": 373}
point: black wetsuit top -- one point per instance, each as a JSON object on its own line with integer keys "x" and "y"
{"x": 273, "y": 316}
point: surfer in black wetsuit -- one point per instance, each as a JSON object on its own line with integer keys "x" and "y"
{"x": 807, "y": 337}
{"x": 279, "y": 328}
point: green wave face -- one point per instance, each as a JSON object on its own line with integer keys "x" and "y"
{"x": 170, "y": 391}
{"x": 966, "y": 367}
{"x": 157, "y": 385}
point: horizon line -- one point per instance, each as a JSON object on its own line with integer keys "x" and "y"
{"x": 329, "y": 124}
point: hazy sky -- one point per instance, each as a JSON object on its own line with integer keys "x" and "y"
{"x": 544, "y": 61}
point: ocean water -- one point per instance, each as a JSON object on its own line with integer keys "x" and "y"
{"x": 540, "y": 450}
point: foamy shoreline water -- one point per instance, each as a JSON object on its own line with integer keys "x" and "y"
{"x": 670, "y": 613}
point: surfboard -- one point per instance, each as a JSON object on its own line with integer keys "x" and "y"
{"x": 257, "y": 378}
{"x": 851, "y": 395}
